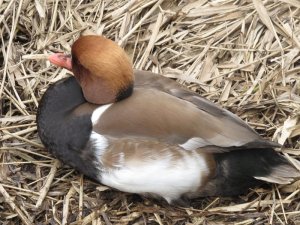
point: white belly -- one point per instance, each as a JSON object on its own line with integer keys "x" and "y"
{"x": 162, "y": 177}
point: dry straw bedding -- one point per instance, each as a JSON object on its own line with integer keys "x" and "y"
{"x": 243, "y": 55}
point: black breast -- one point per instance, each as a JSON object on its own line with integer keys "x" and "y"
{"x": 64, "y": 134}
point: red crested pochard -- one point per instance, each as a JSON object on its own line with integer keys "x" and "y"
{"x": 140, "y": 132}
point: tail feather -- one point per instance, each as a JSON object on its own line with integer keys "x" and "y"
{"x": 239, "y": 170}
{"x": 281, "y": 174}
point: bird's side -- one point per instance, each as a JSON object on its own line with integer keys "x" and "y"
{"x": 138, "y": 163}
{"x": 161, "y": 139}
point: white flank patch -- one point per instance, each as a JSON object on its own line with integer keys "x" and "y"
{"x": 99, "y": 142}
{"x": 194, "y": 143}
{"x": 218, "y": 140}
{"x": 163, "y": 176}
{"x": 98, "y": 113}
{"x": 224, "y": 141}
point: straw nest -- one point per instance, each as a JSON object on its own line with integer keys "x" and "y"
{"x": 243, "y": 55}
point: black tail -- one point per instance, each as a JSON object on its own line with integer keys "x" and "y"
{"x": 237, "y": 171}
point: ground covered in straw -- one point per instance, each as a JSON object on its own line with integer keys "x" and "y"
{"x": 243, "y": 55}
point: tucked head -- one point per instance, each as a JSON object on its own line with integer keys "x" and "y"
{"x": 101, "y": 67}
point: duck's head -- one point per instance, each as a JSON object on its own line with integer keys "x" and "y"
{"x": 102, "y": 68}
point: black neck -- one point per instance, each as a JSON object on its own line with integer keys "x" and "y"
{"x": 63, "y": 133}
{"x": 125, "y": 92}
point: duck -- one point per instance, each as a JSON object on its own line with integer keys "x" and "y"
{"x": 140, "y": 132}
